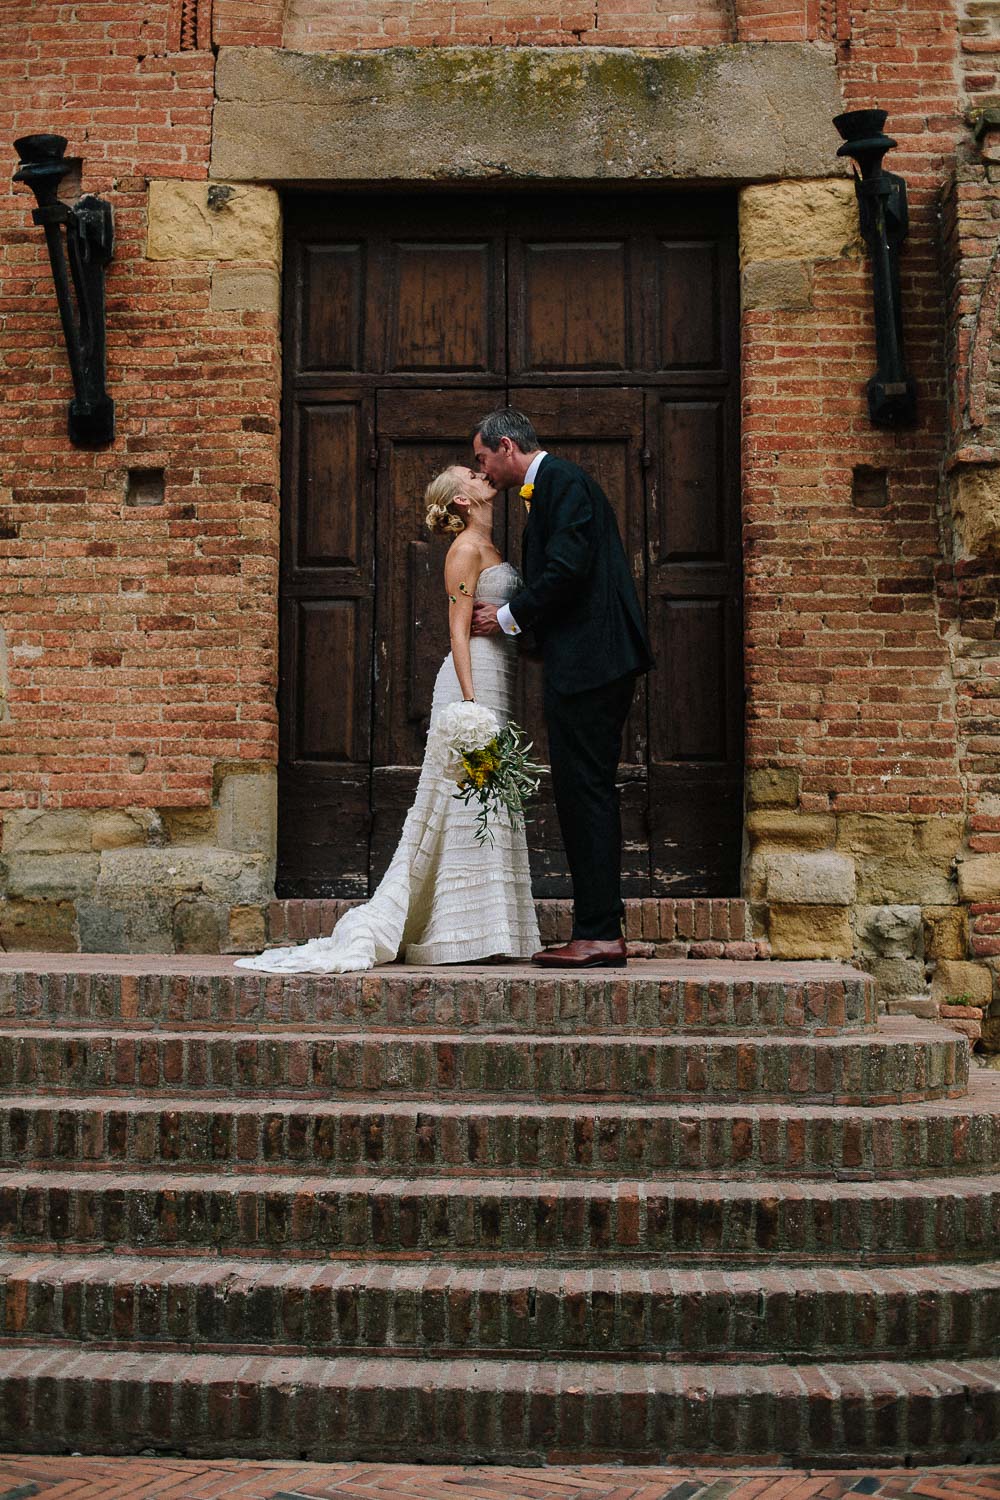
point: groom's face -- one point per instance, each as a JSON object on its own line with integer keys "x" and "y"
{"x": 499, "y": 465}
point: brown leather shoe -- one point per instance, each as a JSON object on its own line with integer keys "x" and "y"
{"x": 584, "y": 953}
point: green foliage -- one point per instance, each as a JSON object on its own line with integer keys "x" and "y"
{"x": 501, "y": 778}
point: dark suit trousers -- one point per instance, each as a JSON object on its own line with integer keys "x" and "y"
{"x": 585, "y": 743}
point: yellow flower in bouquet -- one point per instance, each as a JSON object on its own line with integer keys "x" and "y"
{"x": 490, "y": 765}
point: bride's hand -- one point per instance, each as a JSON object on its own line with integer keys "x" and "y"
{"x": 484, "y": 619}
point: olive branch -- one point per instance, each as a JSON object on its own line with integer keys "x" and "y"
{"x": 501, "y": 778}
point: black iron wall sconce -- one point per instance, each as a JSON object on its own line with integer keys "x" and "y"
{"x": 892, "y": 397}
{"x": 80, "y": 240}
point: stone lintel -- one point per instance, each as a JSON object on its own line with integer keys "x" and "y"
{"x": 743, "y": 112}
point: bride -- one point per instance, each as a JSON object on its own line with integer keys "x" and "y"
{"x": 445, "y": 899}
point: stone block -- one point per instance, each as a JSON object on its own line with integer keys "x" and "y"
{"x": 979, "y": 878}
{"x": 38, "y": 926}
{"x": 114, "y": 828}
{"x": 39, "y": 832}
{"x": 773, "y": 786}
{"x": 939, "y": 839}
{"x": 823, "y": 879}
{"x": 247, "y": 931}
{"x": 220, "y": 875}
{"x": 874, "y": 833}
{"x": 975, "y": 509}
{"x": 754, "y": 881}
{"x": 924, "y": 1006}
{"x": 482, "y": 113}
{"x": 898, "y": 976}
{"x": 810, "y": 932}
{"x": 51, "y": 877}
{"x": 248, "y": 810}
{"x": 102, "y": 928}
{"x": 892, "y": 882}
{"x": 148, "y": 924}
{"x": 190, "y": 825}
{"x": 891, "y": 931}
{"x": 197, "y": 927}
{"x": 991, "y": 1034}
{"x": 958, "y": 983}
{"x": 902, "y": 860}
{"x": 780, "y": 828}
{"x": 235, "y": 289}
{"x": 816, "y": 220}
{"x": 777, "y": 285}
{"x": 213, "y": 221}
{"x": 944, "y": 932}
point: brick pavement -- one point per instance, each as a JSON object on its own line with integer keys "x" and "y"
{"x": 75, "y": 1478}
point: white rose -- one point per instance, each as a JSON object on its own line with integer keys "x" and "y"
{"x": 459, "y": 728}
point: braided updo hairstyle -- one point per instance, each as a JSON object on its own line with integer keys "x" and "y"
{"x": 442, "y": 518}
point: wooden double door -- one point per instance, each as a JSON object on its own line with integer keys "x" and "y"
{"x": 610, "y": 320}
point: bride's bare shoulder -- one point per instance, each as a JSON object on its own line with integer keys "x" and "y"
{"x": 463, "y": 553}
{"x": 461, "y": 545}
{"x": 462, "y": 568}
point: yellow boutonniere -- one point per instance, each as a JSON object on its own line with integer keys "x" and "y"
{"x": 526, "y": 491}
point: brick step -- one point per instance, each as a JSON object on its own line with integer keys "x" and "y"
{"x": 662, "y": 920}
{"x": 515, "y": 1411}
{"x": 939, "y": 1312}
{"x": 556, "y": 1220}
{"x": 419, "y": 1138}
{"x": 155, "y": 990}
{"x": 905, "y": 1061}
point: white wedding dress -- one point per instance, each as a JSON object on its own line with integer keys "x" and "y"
{"x": 444, "y": 898}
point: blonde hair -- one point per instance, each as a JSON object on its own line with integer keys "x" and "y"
{"x": 441, "y": 517}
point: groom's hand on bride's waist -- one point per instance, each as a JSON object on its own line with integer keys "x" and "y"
{"x": 484, "y": 619}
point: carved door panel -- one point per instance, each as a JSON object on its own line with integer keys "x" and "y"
{"x": 694, "y": 572}
{"x": 327, "y": 611}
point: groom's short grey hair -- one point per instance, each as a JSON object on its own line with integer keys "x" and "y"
{"x": 507, "y": 422}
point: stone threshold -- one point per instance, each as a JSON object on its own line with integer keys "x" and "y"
{"x": 210, "y": 964}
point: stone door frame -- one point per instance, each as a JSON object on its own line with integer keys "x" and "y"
{"x": 749, "y": 116}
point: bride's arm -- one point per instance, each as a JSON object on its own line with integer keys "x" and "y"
{"x": 461, "y": 574}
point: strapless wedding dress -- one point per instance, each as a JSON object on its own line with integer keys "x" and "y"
{"x": 444, "y": 899}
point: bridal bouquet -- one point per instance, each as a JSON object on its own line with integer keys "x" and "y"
{"x": 489, "y": 765}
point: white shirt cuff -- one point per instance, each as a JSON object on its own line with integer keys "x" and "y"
{"x": 506, "y": 621}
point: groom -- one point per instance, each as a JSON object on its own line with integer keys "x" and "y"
{"x": 579, "y": 601}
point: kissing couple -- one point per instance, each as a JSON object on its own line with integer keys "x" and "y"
{"x": 446, "y": 898}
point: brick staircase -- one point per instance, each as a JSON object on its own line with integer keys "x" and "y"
{"x": 692, "y": 1211}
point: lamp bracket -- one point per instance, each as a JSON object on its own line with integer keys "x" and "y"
{"x": 79, "y": 236}
{"x": 884, "y": 218}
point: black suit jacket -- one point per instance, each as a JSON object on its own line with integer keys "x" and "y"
{"x": 579, "y": 598}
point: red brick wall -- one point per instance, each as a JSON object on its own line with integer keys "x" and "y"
{"x": 142, "y": 632}
{"x": 849, "y": 668}
{"x": 317, "y": 25}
